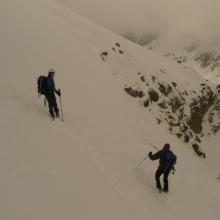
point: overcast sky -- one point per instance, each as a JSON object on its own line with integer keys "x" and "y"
{"x": 175, "y": 17}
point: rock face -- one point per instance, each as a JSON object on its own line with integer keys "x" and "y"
{"x": 199, "y": 107}
{"x": 185, "y": 112}
{"x": 208, "y": 59}
{"x": 153, "y": 95}
{"x": 134, "y": 93}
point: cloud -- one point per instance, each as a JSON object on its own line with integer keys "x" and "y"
{"x": 192, "y": 18}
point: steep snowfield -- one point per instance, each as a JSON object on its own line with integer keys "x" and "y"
{"x": 87, "y": 167}
{"x": 203, "y": 59}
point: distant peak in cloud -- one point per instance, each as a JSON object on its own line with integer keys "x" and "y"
{"x": 196, "y": 19}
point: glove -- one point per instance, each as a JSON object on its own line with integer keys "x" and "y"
{"x": 173, "y": 170}
{"x": 58, "y": 92}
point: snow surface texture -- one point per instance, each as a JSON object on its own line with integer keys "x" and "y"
{"x": 87, "y": 167}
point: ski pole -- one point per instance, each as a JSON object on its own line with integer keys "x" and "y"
{"x": 61, "y": 108}
{"x": 154, "y": 146}
{"x": 142, "y": 161}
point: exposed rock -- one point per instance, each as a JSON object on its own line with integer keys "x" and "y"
{"x": 117, "y": 44}
{"x": 175, "y": 104}
{"x": 153, "y": 78}
{"x": 179, "y": 135}
{"x": 143, "y": 78}
{"x": 183, "y": 127}
{"x": 186, "y": 138}
{"x": 146, "y": 103}
{"x": 165, "y": 89}
{"x": 121, "y": 52}
{"x": 134, "y": 93}
{"x": 199, "y": 108}
{"x": 177, "y": 124}
{"x": 158, "y": 121}
{"x": 215, "y": 128}
{"x": 198, "y": 151}
{"x": 218, "y": 89}
{"x": 154, "y": 96}
{"x": 172, "y": 118}
{"x": 184, "y": 115}
{"x": 174, "y": 84}
{"x": 163, "y": 104}
{"x": 208, "y": 60}
{"x": 191, "y": 134}
{"x": 210, "y": 119}
{"x": 196, "y": 121}
{"x": 180, "y": 113}
{"x": 162, "y": 89}
{"x": 105, "y": 53}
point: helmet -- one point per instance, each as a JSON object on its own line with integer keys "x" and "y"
{"x": 51, "y": 72}
{"x": 166, "y": 147}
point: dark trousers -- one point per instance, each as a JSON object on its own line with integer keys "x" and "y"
{"x": 165, "y": 173}
{"x": 52, "y": 104}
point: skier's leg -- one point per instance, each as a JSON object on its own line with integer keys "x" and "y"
{"x": 50, "y": 105}
{"x": 54, "y": 105}
{"x": 157, "y": 177}
{"x": 165, "y": 180}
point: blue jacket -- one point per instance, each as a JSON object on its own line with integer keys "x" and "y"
{"x": 167, "y": 159}
{"x": 50, "y": 85}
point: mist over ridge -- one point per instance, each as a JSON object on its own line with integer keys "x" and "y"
{"x": 191, "y": 20}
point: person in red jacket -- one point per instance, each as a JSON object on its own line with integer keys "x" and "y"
{"x": 167, "y": 160}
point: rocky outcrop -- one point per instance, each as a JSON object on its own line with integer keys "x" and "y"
{"x": 198, "y": 150}
{"x": 134, "y": 93}
{"x": 184, "y": 111}
{"x": 208, "y": 60}
{"x": 153, "y": 95}
{"x": 199, "y": 107}
{"x": 165, "y": 89}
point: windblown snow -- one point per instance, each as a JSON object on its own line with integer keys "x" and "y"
{"x": 87, "y": 166}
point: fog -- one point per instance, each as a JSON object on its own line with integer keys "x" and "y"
{"x": 186, "y": 19}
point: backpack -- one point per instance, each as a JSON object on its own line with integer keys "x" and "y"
{"x": 171, "y": 160}
{"x": 42, "y": 85}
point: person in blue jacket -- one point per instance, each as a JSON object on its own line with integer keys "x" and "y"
{"x": 167, "y": 160}
{"x": 50, "y": 94}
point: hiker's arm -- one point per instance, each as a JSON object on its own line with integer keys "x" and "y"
{"x": 58, "y": 92}
{"x": 155, "y": 156}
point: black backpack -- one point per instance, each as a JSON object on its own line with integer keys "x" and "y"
{"x": 42, "y": 85}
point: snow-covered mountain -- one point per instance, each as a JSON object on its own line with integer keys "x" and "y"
{"x": 88, "y": 167}
{"x": 204, "y": 60}
{"x": 191, "y": 112}
{"x": 201, "y": 57}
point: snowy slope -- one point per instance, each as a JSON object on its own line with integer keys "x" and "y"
{"x": 86, "y": 167}
{"x": 204, "y": 59}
